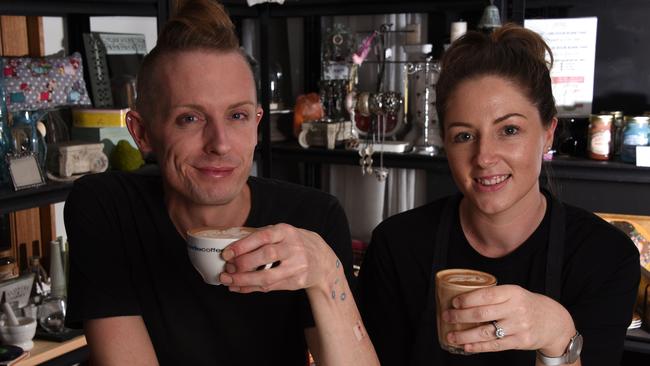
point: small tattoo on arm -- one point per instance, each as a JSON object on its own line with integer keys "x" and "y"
{"x": 343, "y": 296}
{"x": 358, "y": 331}
{"x": 338, "y": 263}
{"x": 333, "y": 294}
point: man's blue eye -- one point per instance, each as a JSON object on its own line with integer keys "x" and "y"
{"x": 189, "y": 119}
{"x": 239, "y": 115}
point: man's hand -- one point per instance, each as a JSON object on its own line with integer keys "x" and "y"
{"x": 302, "y": 260}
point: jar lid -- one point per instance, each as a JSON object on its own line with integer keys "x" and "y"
{"x": 637, "y": 119}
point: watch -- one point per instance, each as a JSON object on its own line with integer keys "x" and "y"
{"x": 570, "y": 356}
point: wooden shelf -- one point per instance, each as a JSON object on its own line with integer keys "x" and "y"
{"x": 46, "y": 350}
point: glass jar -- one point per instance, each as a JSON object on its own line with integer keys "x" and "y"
{"x": 599, "y": 144}
{"x": 635, "y": 133}
{"x": 617, "y": 132}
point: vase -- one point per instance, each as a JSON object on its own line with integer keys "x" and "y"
{"x": 57, "y": 275}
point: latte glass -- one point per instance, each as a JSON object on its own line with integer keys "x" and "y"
{"x": 449, "y": 284}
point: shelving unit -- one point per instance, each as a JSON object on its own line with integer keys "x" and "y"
{"x": 77, "y": 19}
{"x": 312, "y": 10}
{"x": 626, "y": 183}
{"x": 77, "y": 15}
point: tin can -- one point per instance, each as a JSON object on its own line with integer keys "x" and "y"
{"x": 599, "y": 145}
{"x": 635, "y": 133}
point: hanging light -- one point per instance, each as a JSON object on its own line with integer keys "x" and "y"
{"x": 491, "y": 18}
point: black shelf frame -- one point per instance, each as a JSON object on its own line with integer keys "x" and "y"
{"x": 33, "y": 197}
{"x": 561, "y": 167}
{"x": 578, "y": 181}
{"x": 157, "y": 8}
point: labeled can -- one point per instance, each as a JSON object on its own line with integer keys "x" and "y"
{"x": 599, "y": 140}
{"x": 636, "y": 133}
{"x": 617, "y": 131}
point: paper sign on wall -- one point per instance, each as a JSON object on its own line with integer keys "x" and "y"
{"x": 573, "y": 42}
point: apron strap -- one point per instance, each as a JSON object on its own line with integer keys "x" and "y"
{"x": 555, "y": 249}
{"x": 426, "y": 340}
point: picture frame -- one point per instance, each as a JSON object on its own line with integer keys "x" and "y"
{"x": 24, "y": 171}
{"x": 112, "y": 57}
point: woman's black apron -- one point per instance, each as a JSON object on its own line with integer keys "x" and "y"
{"x": 426, "y": 341}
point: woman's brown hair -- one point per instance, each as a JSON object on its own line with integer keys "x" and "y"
{"x": 511, "y": 52}
{"x": 195, "y": 25}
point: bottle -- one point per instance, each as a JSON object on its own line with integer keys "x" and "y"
{"x": 40, "y": 280}
{"x": 275, "y": 84}
{"x": 57, "y": 276}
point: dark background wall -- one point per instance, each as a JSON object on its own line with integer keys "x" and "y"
{"x": 622, "y": 76}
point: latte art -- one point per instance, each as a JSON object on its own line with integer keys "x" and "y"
{"x": 230, "y": 233}
{"x": 468, "y": 279}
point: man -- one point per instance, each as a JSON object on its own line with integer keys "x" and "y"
{"x": 132, "y": 285}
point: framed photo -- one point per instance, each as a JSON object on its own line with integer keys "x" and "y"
{"x": 25, "y": 171}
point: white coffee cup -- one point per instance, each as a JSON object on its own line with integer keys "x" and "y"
{"x": 204, "y": 247}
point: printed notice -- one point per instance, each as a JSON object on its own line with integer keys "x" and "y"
{"x": 573, "y": 42}
{"x": 123, "y": 43}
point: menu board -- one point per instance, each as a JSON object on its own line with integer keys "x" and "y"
{"x": 573, "y": 42}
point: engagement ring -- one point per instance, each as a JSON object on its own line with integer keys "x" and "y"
{"x": 498, "y": 331}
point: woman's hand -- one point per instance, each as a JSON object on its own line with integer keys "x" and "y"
{"x": 302, "y": 260}
{"x": 531, "y": 321}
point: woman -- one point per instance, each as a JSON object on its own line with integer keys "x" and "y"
{"x": 564, "y": 275}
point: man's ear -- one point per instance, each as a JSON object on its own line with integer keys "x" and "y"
{"x": 138, "y": 130}
{"x": 259, "y": 112}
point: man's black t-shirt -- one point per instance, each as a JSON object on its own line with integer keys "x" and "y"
{"x": 600, "y": 276}
{"x": 127, "y": 258}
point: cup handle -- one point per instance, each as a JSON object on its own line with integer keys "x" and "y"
{"x": 302, "y": 139}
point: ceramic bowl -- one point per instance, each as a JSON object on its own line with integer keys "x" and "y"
{"x": 20, "y": 335}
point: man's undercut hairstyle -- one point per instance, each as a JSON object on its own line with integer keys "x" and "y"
{"x": 195, "y": 25}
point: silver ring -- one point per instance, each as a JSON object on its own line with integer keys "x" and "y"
{"x": 498, "y": 331}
